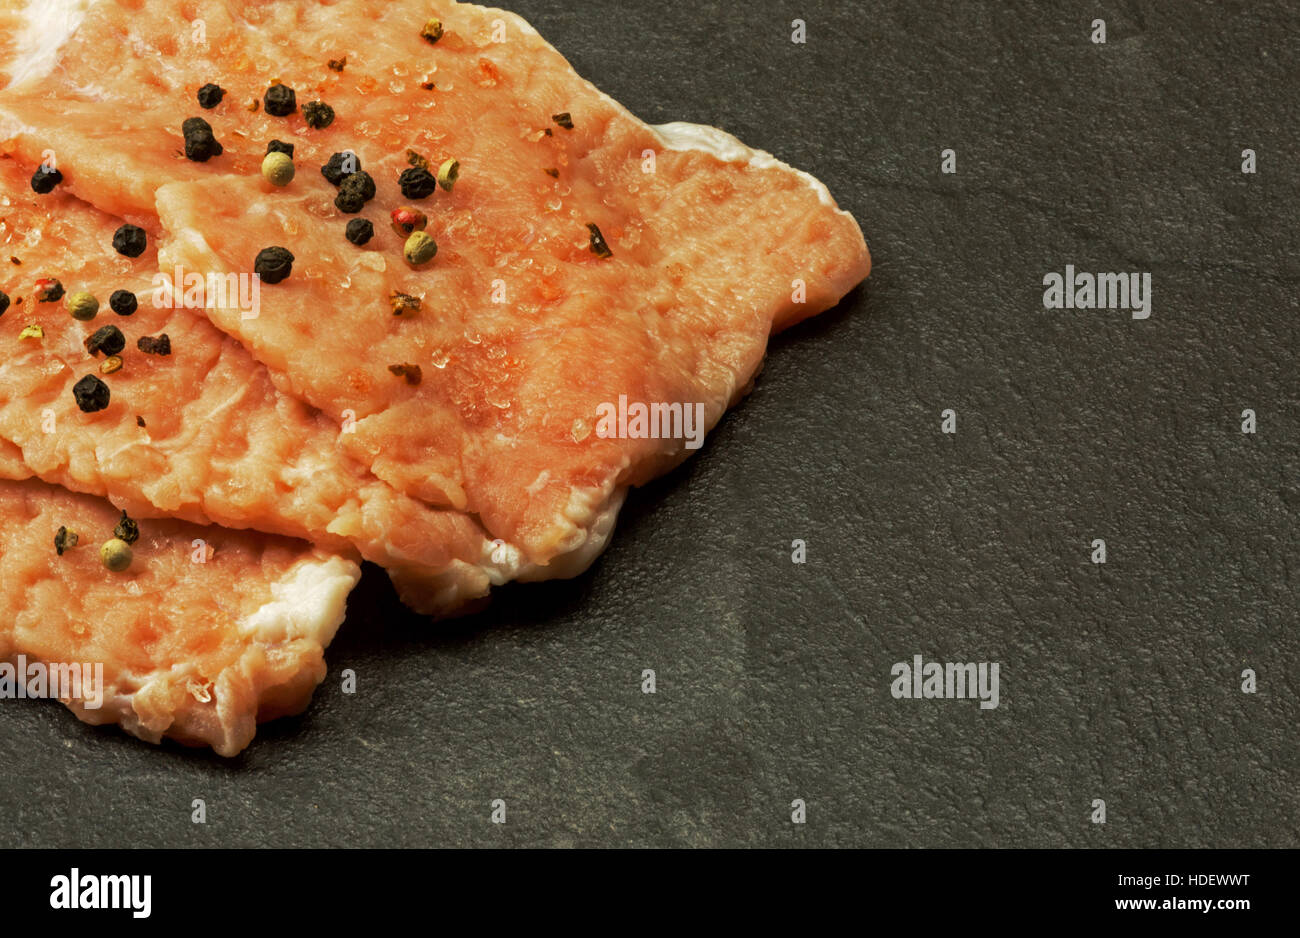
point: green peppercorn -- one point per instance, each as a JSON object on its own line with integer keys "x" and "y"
{"x": 448, "y": 172}
{"x": 420, "y": 249}
{"x": 83, "y": 306}
{"x": 116, "y": 555}
{"x": 277, "y": 169}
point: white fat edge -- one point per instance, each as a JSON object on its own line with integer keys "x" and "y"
{"x": 184, "y": 241}
{"x": 682, "y": 135}
{"x": 49, "y": 24}
{"x": 451, "y": 588}
{"x": 178, "y": 239}
{"x": 309, "y": 601}
{"x": 594, "y": 511}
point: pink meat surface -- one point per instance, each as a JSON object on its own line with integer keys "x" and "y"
{"x": 524, "y": 334}
{"x": 195, "y": 651}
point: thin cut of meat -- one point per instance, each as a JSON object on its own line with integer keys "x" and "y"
{"x": 200, "y": 434}
{"x": 199, "y": 652}
{"x": 526, "y": 336}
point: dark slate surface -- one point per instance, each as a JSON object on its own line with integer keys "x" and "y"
{"x": 1119, "y": 682}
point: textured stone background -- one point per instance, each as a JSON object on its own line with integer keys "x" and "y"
{"x": 1118, "y": 682}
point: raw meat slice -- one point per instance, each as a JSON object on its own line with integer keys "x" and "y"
{"x": 198, "y": 652}
{"x": 712, "y": 251}
{"x": 200, "y": 434}
{"x": 30, "y": 34}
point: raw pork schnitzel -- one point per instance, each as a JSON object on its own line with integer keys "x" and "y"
{"x": 580, "y": 299}
{"x": 524, "y": 332}
{"x": 201, "y": 433}
{"x": 198, "y": 652}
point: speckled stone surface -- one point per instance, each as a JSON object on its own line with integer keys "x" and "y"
{"x": 1119, "y": 682}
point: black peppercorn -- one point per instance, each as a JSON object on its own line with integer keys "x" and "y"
{"x": 280, "y": 101}
{"x": 273, "y": 264}
{"x": 108, "y": 340}
{"x": 200, "y": 145}
{"x": 44, "y": 180}
{"x": 275, "y": 146}
{"x": 91, "y": 394}
{"x": 210, "y": 96}
{"x": 129, "y": 241}
{"x": 123, "y": 302}
{"x": 349, "y": 201}
{"x": 417, "y": 183}
{"x": 340, "y": 166}
{"x": 361, "y": 183}
{"x": 162, "y": 345}
{"x": 354, "y": 192}
{"x": 318, "y": 114}
{"x": 359, "y": 231}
